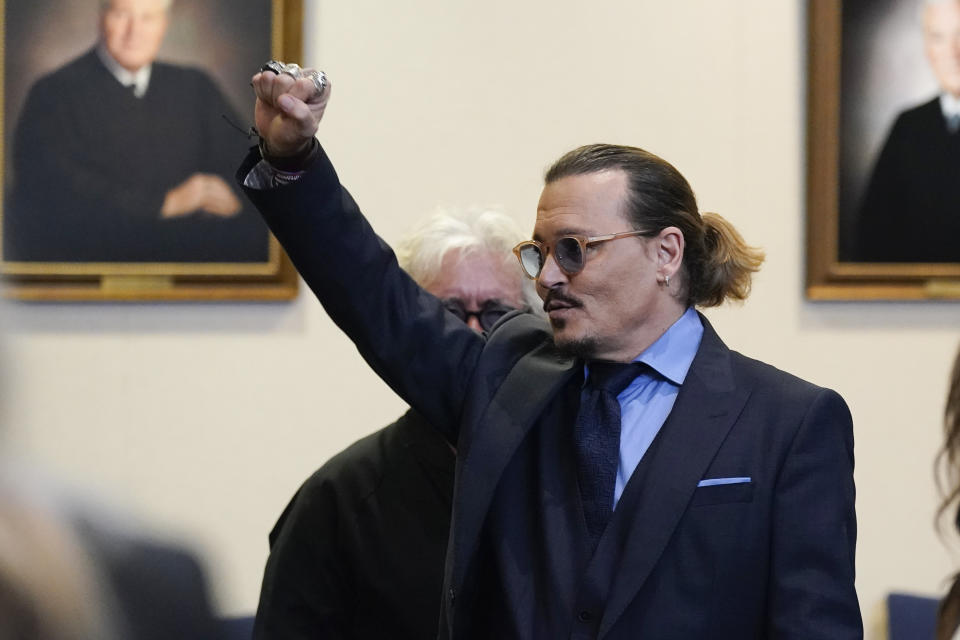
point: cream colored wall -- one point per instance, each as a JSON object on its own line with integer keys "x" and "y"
{"x": 203, "y": 419}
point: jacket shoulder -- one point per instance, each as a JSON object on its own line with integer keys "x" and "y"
{"x": 165, "y": 71}
{"x": 776, "y": 383}
{"x": 347, "y": 478}
{"x": 926, "y": 117}
{"x": 358, "y": 469}
{"x": 517, "y": 333}
{"x": 73, "y": 75}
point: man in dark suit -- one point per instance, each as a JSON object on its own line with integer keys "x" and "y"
{"x": 710, "y": 496}
{"x": 359, "y": 551}
{"x": 120, "y": 158}
{"x": 911, "y": 210}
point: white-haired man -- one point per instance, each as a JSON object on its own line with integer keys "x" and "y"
{"x": 359, "y": 551}
{"x": 120, "y": 158}
{"x": 910, "y": 211}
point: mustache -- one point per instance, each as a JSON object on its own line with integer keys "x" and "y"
{"x": 558, "y": 296}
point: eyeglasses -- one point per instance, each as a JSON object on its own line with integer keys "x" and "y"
{"x": 487, "y": 316}
{"x": 570, "y": 252}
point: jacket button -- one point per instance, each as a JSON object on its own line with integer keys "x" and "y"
{"x": 585, "y": 616}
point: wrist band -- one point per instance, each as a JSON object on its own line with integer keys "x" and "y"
{"x": 289, "y": 164}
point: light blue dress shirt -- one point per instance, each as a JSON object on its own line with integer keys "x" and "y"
{"x": 647, "y": 401}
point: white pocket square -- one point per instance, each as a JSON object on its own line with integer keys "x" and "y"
{"x": 710, "y": 482}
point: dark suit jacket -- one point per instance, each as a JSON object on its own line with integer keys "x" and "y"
{"x": 359, "y": 551}
{"x": 911, "y": 210}
{"x": 772, "y": 558}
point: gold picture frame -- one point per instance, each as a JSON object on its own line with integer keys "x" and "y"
{"x": 834, "y": 272}
{"x": 199, "y": 37}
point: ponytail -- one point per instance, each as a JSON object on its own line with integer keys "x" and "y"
{"x": 726, "y": 266}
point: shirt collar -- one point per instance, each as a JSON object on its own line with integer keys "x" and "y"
{"x": 949, "y": 105}
{"x": 672, "y": 353}
{"x": 140, "y": 79}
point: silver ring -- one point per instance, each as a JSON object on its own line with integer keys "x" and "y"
{"x": 293, "y": 70}
{"x": 273, "y": 65}
{"x": 319, "y": 79}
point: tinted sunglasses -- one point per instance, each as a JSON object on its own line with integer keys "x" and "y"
{"x": 570, "y": 252}
{"x": 487, "y": 316}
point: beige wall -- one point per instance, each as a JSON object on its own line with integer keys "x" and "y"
{"x": 203, "y": 419}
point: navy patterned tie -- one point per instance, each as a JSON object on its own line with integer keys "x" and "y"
{"x": 597, "y": 440}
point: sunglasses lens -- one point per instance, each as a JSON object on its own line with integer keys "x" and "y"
{"x": 531, "y": 259}
{"x": 489, "y": 316}
{"x": 569, "y": 255}
{"x": 456, "y": 309}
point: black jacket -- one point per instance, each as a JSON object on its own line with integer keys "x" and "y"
{"x": 358, "y": 553}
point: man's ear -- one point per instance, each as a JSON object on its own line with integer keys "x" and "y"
{"x": 670, "y": 246}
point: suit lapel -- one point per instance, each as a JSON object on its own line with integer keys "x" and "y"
{"x": 707, "y": 406}
{"x": 519, "y": 401}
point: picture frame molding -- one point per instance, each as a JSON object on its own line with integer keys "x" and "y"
{"x": 827, "y": 278}
{"x": 276, "y": 279}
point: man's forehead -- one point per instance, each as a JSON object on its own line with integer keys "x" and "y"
{"x": 544, "y": 231}
{"x": 578, "y": 224}
{"x": 475, "y": 277}
{"x": 142, "y": 6}
{"x": 938, "y": 16}
{"x": 585, "y": 190}
{"x": 576, "y": 205}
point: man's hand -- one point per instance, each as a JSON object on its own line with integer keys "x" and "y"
{"x": 201, "y": 192}
{"x": 287, "y": 112}
{"x": 220, "y": 200}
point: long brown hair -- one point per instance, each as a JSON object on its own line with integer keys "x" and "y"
{"x": 948, "y": 481}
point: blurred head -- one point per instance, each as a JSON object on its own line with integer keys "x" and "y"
{"x": 133, "y": 30}
{"x": 947, "y": 468}
{"x": 941, "y": 36}
{"x": 622, "y": 293}
{"x": 49, "y": 587}
{"x": 948, "y": 460}
{"x": 463, "y": 258}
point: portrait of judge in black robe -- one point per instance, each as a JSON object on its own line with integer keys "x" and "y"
{"x": 118, "y": 157}
{"x": 910, "y": 211}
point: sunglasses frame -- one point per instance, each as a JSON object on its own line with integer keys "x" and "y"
{"x": 583, "y": 241}
{"x": 487, "y": 308}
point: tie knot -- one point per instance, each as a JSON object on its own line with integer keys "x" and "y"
{"x": 953, "y": 122}
{"x": 613, "y": 376}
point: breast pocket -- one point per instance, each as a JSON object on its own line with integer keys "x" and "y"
{"x": 722, "y": 494}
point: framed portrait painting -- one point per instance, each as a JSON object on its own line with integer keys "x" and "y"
{"x": 883, "y": 149}
{"x": 123, "y": 124}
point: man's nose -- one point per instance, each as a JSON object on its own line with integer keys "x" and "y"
{"x": 473, "y": 321}
{"x": 135, "y": 26}
{"x": 551, "y": 274}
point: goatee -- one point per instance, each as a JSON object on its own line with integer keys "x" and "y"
{"x": 583, "y": 348}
